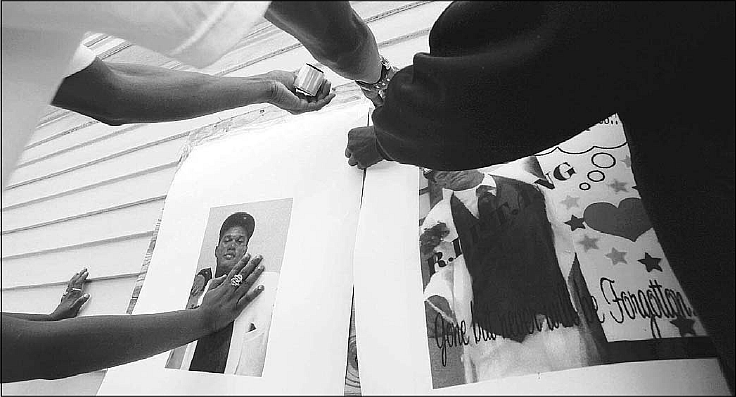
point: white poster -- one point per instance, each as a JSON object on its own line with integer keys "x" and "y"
{"x": 542, "y": 275}
{"x": 285, "y": 192}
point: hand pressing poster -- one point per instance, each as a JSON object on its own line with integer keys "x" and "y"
{"x": 232, "y": 231}
{"x": 281, "y": 190}
{"x": 544, "y": 264}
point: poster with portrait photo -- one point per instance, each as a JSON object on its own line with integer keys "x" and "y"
{"x": 524, "y": 275}
{"x": 258, "y": 228}
{"x": 291, "y": 176}
{"x": 548, "y": 263}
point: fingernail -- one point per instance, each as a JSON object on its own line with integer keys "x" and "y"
{"x": 260, "y": 267}
{"x": 260, "y": 288}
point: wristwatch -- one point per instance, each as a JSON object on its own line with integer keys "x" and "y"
{"x": 376, "y": 92}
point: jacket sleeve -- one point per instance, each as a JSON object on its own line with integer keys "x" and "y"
{"x": 506, "y": 80}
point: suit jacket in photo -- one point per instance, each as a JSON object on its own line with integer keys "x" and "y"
{"x": 509, "y": 251}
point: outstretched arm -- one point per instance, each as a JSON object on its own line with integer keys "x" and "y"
{"x": 121, "y": 93}
{"x": 52, "y": 350}
{"x": 333, "y": 33}
{"x": 57, "y": 349}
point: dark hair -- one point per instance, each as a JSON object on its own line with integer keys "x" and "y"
{"x": 243, "y": 219}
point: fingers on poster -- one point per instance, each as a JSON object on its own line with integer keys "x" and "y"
{"x": 545, "y": 263}
{"x": 258, "y": 228}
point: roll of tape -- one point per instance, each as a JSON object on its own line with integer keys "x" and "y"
{"x": 308, "y": 80}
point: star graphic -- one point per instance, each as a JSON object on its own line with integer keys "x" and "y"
{"x": 588, "y": 242}
{"x": 684, "y": 325}
{"x": 650, "y": 262}
{"x": 627, "y": 161}
{"x": 575, "y": 223}
{"x": 570, "y": 202}
{"x": 618, "y": 186}
{"x": 616, "y": 256}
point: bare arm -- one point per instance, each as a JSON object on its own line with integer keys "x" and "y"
{"x": 121, "y": 93}
{"x": 333, "y": 33}
{"x": 52, "y": 350}
{"x": 57, "y": 349}
{"x": 28, "y": 316}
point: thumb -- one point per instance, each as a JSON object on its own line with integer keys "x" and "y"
{"x": 80, "y": 301}
{"x": 287, "y": 100}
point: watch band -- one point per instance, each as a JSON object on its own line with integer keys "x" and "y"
{"x": 376, "y": 92}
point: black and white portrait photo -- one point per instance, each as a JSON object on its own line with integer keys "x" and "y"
{"x": 258, "y": 228}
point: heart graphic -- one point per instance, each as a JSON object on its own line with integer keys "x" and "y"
{"x": 629, "y": 220}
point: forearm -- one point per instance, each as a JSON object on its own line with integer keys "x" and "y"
{"x": 544, "y": 73}
{"x": 52, "y": 350}
{"x": 333, "y": 33}
{"x": 157, "y": 94}
{"x": 510, "y": 92}
{"x": 29, "y": 316}
{"x": 130, "y": 93}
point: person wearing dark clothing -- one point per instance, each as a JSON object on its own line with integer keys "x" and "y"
{"x": 505, "y": 80}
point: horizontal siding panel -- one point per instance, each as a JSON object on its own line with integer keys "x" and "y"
{"x": 72, "y": 141}
{"x": 146, "y": 186}
{"x": 50, "y": 113}
{"x": 107, "y": 44}
{"x": 66, "y": 124}
{"x": 96, "y": 133}
{"x": 109, "y": 225}
{"x": 295, "y": 58}
{"x": 92, "y": 38}
{"x": 138, "y": 159}
{"x": 410, "y": 20}
{"x": 110, "y": 296}
{"x": 140, "y": 54}
{"x": 402, "y": 52}
{"x": 103, "y": 261}
{"x": 251, "y": 52}
{"x": 290, "y": 60}
{"x": 136, "y": 136}
{"x": 111, "y": 181}
{"x": 77, "y": 217}
{"x": 369, "y": 9}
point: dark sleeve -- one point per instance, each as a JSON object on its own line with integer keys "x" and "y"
{"x": 506, "y": 80}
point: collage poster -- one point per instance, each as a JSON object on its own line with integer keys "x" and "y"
{"x": 547, "y": 263}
